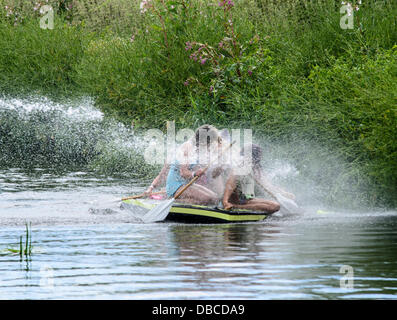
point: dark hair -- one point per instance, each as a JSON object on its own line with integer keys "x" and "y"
{"x": 256, "y": 155}
{"x": 209, "y": 130}
{"x": 256, "y": 152}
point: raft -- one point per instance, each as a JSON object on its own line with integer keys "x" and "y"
{"x": 187, "y": 213}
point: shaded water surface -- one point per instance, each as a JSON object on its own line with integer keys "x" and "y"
{"x": 79, "y": 253}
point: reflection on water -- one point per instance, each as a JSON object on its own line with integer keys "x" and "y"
{"x": 270, "y": 260}
{"x": 80, "y": 255}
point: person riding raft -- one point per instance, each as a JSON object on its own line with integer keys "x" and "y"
{"x": 213, "y": 179}
{"x": 194, "y": 155}
{"x": 240, "y": 185}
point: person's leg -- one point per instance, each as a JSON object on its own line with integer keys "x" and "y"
{"x": 217, "y": 185}
{"x": 206, "y": 189}
{"x": 259, "y": 205}
{"x": 199, "y": 195}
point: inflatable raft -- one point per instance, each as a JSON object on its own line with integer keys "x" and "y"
{"x": 187, "y": 213}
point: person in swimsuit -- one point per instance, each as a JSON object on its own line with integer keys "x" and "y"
{"x": 192, "y": 155}
{"x": 240, "y": 189}
{"x": 212, "y": 179}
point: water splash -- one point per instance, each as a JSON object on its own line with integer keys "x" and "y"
{"x": 316, "y": 174}
{"x": 38, "y": 132}
{"x": 82, "y": 109}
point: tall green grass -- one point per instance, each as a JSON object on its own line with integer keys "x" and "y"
{"x": 34, "y": 59}
{"x": 293, "y": 75}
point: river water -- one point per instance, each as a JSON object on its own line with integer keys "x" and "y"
{"x": 105, "y": 253}
{"x": 85, "y": 247}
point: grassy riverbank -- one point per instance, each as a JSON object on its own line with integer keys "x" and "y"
{"x": 286, "y": 69}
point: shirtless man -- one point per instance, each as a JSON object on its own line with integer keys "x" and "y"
{"x": 239, "y": 190}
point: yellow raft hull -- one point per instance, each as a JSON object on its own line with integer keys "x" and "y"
{"x": 186, "y": 213}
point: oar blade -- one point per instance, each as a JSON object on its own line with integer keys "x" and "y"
{"x": 159, "y": 213}
{"x": 288, "y": 205}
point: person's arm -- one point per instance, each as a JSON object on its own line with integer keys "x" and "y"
{"x": 162, "y": 177}
{"x": 217, "y": 172}
{"x": 274, "y": 188}
{"x": 158, "y": 180}
{"x": 229, "y": 189}
{"x": 185, "y": 172}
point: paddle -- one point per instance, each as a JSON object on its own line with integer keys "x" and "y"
{"x": 142, "y": 195}
{"x": 288, "y": 205}
{"x": 160, "y": 212}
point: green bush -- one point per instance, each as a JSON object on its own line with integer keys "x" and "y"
{"x": 35, "y": 59}
{"x": 356, "y": 102}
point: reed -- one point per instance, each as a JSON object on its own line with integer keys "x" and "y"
{"x": 24, "y": 249}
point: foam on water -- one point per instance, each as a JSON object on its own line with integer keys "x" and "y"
{"x": 82, "y": 109}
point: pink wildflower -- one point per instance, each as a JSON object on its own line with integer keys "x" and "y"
{"x": 188, "y": 46}
{"x": 145, "y": 4}
{"x": 193, "y": 56}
